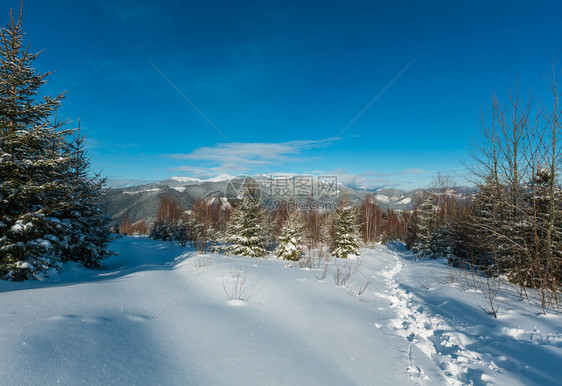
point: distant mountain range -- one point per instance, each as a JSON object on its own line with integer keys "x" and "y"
{"x": 141, "y": 201}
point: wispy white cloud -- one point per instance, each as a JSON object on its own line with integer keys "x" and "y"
{"x": 253, "y": 158}
{"x": 244, "y": 157}
{"x": 260, "y": 153}
{"x": 364, "y": 180}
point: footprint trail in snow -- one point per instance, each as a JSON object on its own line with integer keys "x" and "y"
{"x": 433, "y": 336}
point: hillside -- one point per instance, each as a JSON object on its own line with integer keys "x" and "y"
{"x": 157, "y": 314}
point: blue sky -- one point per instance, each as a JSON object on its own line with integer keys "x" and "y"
{"x": 281, "y": 80}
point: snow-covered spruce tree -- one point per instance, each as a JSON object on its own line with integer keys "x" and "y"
{"x": 292, "y": 243}
{"x": 90, "y": 232}
{"x": 39, "y": 187}
{"x": 346, "y": 231}
{"x": 480, "y": 240}
{"x": 215, "y": 240}
{"x": 157, "y": 230}
{"x": 198, "y": 234}
{"x": 424, "y": 223}
{"x": 244, "y": 233}
{"x": 182, "y": 231}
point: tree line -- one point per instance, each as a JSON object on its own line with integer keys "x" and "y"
{"x": 511, "y": 224}
{"x": 246, "y": 228}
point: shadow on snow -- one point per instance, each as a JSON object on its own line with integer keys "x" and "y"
{"x": 133, "y": 256}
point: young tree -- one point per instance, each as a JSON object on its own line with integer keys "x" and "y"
{"x": 160, "y": 230}
{"x": 181, "y": 231}
{"x": 292, "y": 240}
{"x": 424, "y": 222}
{"x": 197, "y": 233}
{"x": 346, "y": 231}
{"x": 245, "y": 236}
{"x": 89, "y": 233}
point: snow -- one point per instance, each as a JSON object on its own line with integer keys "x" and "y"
{"x": 179, "y": 188}
{"x": 143, "y": 191}
{"x": 388, "y": 199}
{"x": 19, "y": 226}
{"x": 405, "y": 201}
{"x": 44, "y": 243}
{"x": 225, "y": 203}
{"x": 219, "y": 178}
{"x": 24, "y": 265}
{"x": 382, "y": 198}
{"x": 160, "y": 314}
{"x": 186, "y": 179}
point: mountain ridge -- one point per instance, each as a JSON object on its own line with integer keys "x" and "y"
{"x": 141, "y": 201}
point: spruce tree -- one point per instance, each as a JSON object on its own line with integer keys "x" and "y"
{"x": 482, "y": 242}
{"x": 198, "y": 233}
{"x": 245, "y": 236}
{"x": 423, "y": 245}
{"x": 292, "y": 240}
{"x": 159, "y": 230}
{"x": 47, "y": 209}
{"x": 217, "y": 240}
{"x": 182, "y": 231}
{"x": 89, "y": 232}
{"x": 346, "y": 232}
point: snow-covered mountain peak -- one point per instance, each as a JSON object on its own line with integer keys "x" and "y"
{"x": 186, "y": 179}
{"x": 221, "y": 177}
{"x": 193, "y": 180}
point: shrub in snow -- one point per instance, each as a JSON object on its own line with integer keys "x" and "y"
{"x": 240, "y": 286}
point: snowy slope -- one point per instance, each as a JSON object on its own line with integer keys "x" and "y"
{"x": 160, "y": 315}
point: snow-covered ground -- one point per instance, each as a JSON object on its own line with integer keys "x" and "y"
{"x": 159, "y": 314}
